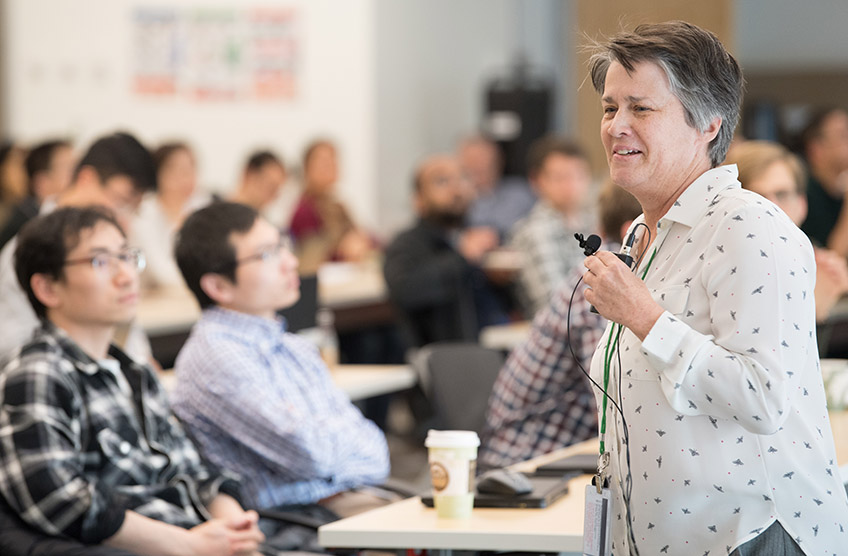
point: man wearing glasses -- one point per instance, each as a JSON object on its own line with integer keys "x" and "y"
{"x": 258, "y": 399}
{"x": 89, "y": 452}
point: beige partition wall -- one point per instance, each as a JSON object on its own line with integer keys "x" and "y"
{"x": 599, "y": 18}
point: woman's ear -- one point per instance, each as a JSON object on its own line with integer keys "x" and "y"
{"x": 217, "y": 287}
{"x": 713, "y": 129}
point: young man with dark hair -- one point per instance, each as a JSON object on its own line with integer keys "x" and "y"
{"x": 559, "y": 172}
{"x": 49, "y": 166}
{"x": 115, "y": 172}
{"x": 264, "y": 175}
{"x": 258, "y": 399}
{"x": 88, "y": 447}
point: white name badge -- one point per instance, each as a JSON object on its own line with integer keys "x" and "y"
{"x": 597, "y": 521}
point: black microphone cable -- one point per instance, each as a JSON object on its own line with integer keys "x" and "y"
{"x": 589, "y": 249}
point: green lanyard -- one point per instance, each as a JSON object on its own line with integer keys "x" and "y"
{"x": 609, "y": 353}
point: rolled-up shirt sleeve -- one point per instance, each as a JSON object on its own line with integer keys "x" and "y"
{"x": 747, "y": 363}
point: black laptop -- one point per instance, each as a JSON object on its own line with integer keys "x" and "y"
{"x": 577, "y": 463}
{"x": 546, "y": 491}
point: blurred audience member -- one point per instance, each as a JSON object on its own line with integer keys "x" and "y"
{"x": 12, "y": 178}
{"x": 500, "y": 201}
{"x": 825, "y": 144}
{"x": 560, "y": 174}
{"x": 162, "y": 213}
{"x": 263, "y": 177}
{"x": 432, "y": 270}
{"x": 541, "y": 399}
{"x": 321, "y": 225}
{"x": 115, "y": 172}
{"x": 777, "y": 174}
{"x": 49, "y": 167}
{"x": 258, "y": 399}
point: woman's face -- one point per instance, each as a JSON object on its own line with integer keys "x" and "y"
{"x": 322, "y": 170}
{"x": 777, "y": 184}
{"x": 651, "y": 150}
{"x": 178, "y": 175}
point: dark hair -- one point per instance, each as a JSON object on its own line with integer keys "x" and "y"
{"x": 257, "y": 160}
{"x": 203, "y": 244}
{"x": 312, "y": 147}
{"x": 813, "y": 130}
{"x": 165, "y": 150}
{"x": 45, "y": 241}
{"x": 541, "y": 149}
{"x": 40, "y": 158}
{"x": 701, "y": 73}
{"x": 121, "y": 154}
{"x": 616, "y": 207}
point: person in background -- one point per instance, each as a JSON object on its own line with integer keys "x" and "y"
{"x": 162, "y": 213}
{"x": 542, "y": 400}
{"x": 258, "y": 399}
{"x": 12, "y": 178}
{"x": 49, "y": 167}
{"x": 500, "y": 201}
{"x": 115, "y": 172}
{"x": 825, "y": 146}
{"x": 263, "y": 177}
{"x": 77, "y": 461}
{"x": 719, "y": 439}
{"x": 560, "y": 174}
{"x": 432, "y": 270}
{"x": 321, "y": 226}
{"x": 778, "y": 175}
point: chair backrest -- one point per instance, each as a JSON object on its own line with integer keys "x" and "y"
{"x": 459, "y": 380}
{"x": 301, "y": 315}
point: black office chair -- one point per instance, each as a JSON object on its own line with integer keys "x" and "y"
{"x": 19, "y": 539}
{"x": 458, "y": 378}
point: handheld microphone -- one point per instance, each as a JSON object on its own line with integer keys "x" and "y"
{"x": 592, "y": 243}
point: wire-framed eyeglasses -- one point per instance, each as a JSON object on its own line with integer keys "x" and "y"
{"x": 107, "y": 260}
{"x": 267, "y": 253}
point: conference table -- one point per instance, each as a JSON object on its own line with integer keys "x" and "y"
{"x": 409, "y": 524}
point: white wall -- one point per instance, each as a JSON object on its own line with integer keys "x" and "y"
{"x": 791, "y": 34}
{"x": 433, "y": 59}
{"x": 68, "y": 72}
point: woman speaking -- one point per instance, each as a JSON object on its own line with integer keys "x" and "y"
{"x": 715, "y": 434}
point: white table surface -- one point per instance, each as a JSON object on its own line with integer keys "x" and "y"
{"x": 410, "y": 524}
{"x": 505, "y": 336}
{"x": 357, "y": 381}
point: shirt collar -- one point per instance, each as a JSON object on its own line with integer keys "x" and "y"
{"x": 242, "y": 325}
{"x": 51, "y": 333}
{"x": 696, "y": 200}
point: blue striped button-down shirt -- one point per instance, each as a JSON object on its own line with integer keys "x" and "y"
{"x": 261, "y": 402}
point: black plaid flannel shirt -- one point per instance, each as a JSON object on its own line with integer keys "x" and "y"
{"x": 76, "y": 451}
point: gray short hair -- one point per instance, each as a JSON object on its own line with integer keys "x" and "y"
{"x": 701, "y": 73}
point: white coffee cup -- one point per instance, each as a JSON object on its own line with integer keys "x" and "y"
{"x": 453, "y": 464}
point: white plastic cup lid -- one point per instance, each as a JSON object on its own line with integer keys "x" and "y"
{"x": 451, "y": 439}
